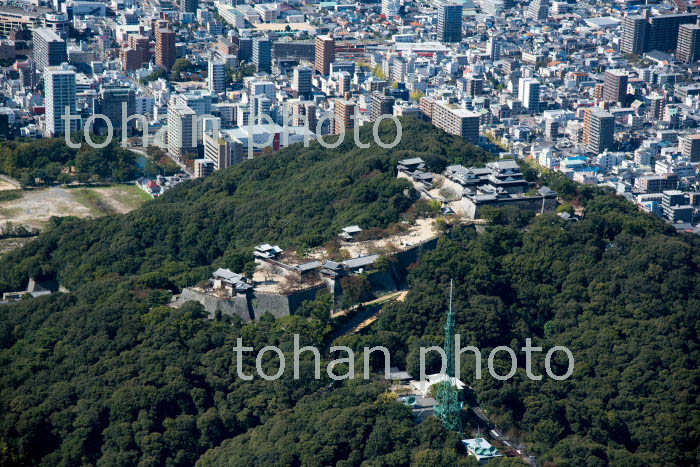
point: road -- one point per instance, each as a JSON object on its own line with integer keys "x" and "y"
{"x": 369, "y": 315}
{"x": 11, "y": 180}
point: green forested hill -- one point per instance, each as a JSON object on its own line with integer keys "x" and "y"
{"x": 615, "y": 288}
{"x": 297, "y": 197}
{"x": 104, "y": 376}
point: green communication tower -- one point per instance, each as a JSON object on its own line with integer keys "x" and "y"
{"x": 449, "y": 407}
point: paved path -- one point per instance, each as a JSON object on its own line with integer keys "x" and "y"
{"x": 373, "y": 309}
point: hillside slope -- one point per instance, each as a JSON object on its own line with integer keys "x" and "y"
{"x": 105, "y": 376}
{"x": 297, "y": 197}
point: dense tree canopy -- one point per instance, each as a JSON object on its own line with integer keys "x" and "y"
{"x": 107, "y": 376}
{"x": 51, "y": 160}
{"x": 617, "y": 288}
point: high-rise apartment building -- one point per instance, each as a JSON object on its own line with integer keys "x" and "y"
{"x": 615, "y": 86}
{"x": 325, "y": 54}
{"x": 301, "y": 81}
{"x": 450, "y": 22}
{"x": 598, "y": 130}
{"x": 381, "y": 105}
{"x": 131, "y": 60}
{"x": 635, "y": 34}
{"x": 663, "y": 32}
{"x": 188, "y": 6}
{"x": 165, "y": 48}
{"x": 182, "y": 131}
{"x": 474, "y": 85}
{"x": 49, "y": 48}
{"x": 59, "y": 93}
{"x": 262, "y": 54}
{"x": 688, "y": 50}
{"x": 494, "y": 49}
{"x": 529, "y": 93}
{"x": 452, "y": 118}
{"x": 690, "y": 146}
{"x": 216, "y": 76}
{"x": 538, "y": 10}
{"x": 390, "y": 8}
{"x": 344, "y": 111}
{"x": 142, "y": 45}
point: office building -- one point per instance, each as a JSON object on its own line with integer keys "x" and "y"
{"x": 598, "y": 130}
{"x": 381, "y": 105}
{"x": 112, "y": 100}
{"x": 216, "y": 76}
{"x": 690, "y": 147}
{"x": 182, "y": 131}
{"x": 49, "y": 48}
{"x": 538, "y": 10}
{"x": 59, "y": 93}
{"x": 676, "y": 206}
{"x": 325, "y": 54}
{"x": 615, "y": 86}
{"x": 262, "y": 54}
{"x": 17, "y": 16}
{"x": 58, "y": 23}
{"x": 688, "y": 50}
{"x": 165, "y": 48}
{"x": 635, "y": 33}
{"x": 301, "y": 81}
{"x": 529, "y": 93}
{"x": 450, "y": 22}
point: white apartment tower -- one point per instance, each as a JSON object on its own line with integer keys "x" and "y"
{"x": 390, "y": 8}
{"x": 529, "y": 93}
{"x": 217, "y": 76}
{"x": 59, "y": 93}
{"x": 182, "y": 131}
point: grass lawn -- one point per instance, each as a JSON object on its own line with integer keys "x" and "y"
{"x": 91, "y": 200}
{"x": 10, "y": 195}
{"x": 111, "y": 199}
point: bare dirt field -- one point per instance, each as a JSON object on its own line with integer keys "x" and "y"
{"x": 423, "y": 230}
{"x": 6, "y": 185}
{"x": 36, "y": 207}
